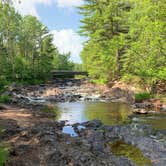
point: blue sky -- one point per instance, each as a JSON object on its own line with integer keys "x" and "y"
{"x": 59, "y": 18}
{"x": 62, "y": 19}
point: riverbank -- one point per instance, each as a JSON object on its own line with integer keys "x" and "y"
{"x": 37, "y": 139}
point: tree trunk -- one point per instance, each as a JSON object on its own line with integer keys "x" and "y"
{"x": 118, "y": 64}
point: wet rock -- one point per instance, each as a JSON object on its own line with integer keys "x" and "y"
{"x": 93, "y": 124}
{"x": 69, "y": 90}
{"x": 140, "y": 136}
{"x": 140, "y": 111}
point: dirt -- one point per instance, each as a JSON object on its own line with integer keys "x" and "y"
{"x": 24, "y": 117}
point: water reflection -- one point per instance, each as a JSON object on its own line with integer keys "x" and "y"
{"x": 157, "y": 121}
{"x": 108, "y": 113}
{"x": 120, "y": 148}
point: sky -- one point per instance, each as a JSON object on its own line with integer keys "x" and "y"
{"x": 62, "y": 19}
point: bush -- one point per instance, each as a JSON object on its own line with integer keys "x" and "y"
{"x": 142, "y": 96}
{"x": 4, "y": 98}
{"x": 128, "y": 78}
{"x": 3, "y": 155}
{"x": 3, "y": 83}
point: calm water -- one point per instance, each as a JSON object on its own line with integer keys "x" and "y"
{"x": 157, "y": 121}
{"x": 108, "y": 113}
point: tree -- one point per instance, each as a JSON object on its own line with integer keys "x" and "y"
{"x": 26, "y": 48}
{"x": 124, "y": 38}
{"x": 62, "y": 62}
{"x": 105, "y": 23}
{"x": 146, "y": 56}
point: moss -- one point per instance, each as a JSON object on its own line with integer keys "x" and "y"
{"x": 120, "y": 148}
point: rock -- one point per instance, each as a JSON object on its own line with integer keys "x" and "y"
{"x": 124, "y": 95}
{"x": 140, "y": 111}
{"x": 93, "y": 124}
{"x": 2, "y": 107}
{"x": 139, "y": 136}
{"x": 163, "y": 108}
{"x": 10, "y": 128}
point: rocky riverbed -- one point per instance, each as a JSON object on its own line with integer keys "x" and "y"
{"x": 36, "y": 139}
{"x": 69, "y": 90}
{"x": 44, "y": 143}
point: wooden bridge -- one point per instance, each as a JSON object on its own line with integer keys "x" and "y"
{"x": 68, "y": 73}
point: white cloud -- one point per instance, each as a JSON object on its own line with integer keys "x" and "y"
{"x": 69, "y": 3}
{"x": 29, "y": 6}
{"x": 66, "y": 41}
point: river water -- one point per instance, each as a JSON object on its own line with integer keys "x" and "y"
{"x": 108, "y": 113}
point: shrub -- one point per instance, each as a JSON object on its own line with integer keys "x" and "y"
{"x": 128, "y": 78}
{"x": 4, "y": 98}
{"x": 3, "y": 83}
{"x": 3, "y": 155}
{"x": 142, "y": 96}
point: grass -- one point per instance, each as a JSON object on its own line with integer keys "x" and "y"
{"x": 120, "y": 148}
{"x": 142, "y": 96}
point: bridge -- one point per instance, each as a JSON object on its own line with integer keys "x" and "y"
{"x": 67, "y": 73}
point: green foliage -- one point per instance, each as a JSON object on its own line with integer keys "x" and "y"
{"x": 3, "y": 82}
{"x": 78, "y": 67}
{"x": 4, "y": 98}
{"x": 142, "y": 96}
{"x": 3, "y": 155}
{"x": 3, "y": 151}
{"x": 126, "y": 39}
{"x": 105, "y": 25}
{"x": 62, "y": 62}
{"x": 27, "y": 53}
{"x": 146, "y": 55}
{"x": 129, "y": 78}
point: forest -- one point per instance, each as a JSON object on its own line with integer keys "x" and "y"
{"x": 126, "y": 40}
{"x": 27, "y": 54}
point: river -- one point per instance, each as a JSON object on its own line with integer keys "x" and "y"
{"x": 108, "y": 113}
